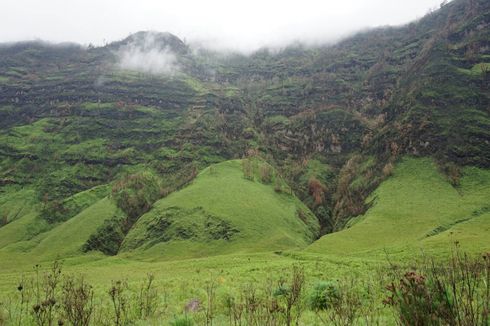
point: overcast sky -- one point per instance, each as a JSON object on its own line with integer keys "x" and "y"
{"x": 244, "y": 25}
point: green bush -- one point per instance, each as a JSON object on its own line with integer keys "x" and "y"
{"x": 324, "y": 295}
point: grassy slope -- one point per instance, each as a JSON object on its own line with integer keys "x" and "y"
{"x": 63, "y": 241}
{"x": 473, "y": 233}
{"x": 67, "y": 239}
{"x": 20, "y": 207}
{"x": 266, "y": 220}
{"x": 418, "y": 208}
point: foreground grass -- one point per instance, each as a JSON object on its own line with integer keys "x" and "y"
{"x": 250, "y": 289}
{"x": 179, "y": 282}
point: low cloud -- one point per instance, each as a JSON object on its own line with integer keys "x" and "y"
{"x": 219, "y": 24}
{"x": 147, "y": 54}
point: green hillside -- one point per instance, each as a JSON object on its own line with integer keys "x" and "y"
{"x": 222, "y": 212}
{"x": 61, "y": 241}
{"x": 417, "y": 208}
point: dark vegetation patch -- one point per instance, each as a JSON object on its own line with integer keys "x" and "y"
{"x": 442, "y": 228}
{"x": 134, "y": 195}
{"x": 59, "y": 211}
{"x": 481, "y": 211}
{"x": 157, "y": 228}
{"x": 218, "y": 228}
{"x": 174, "y": 223}
{"x": 108, "y": 237}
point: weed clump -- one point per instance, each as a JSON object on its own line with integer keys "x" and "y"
{"x": 77, "y": 301}
{"x": 248, "y": 169}
{"x": 266, "y": 173}
{"x": 457, "y": 293}
{"x": 147, "y": 298}
{"x": 119, "y": 301}
{"x": 46, "y": 293}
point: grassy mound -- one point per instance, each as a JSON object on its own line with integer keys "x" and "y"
{"x": 418, "y": 208}
{"x": 63, "y": 240}
{"x": 222, "y": 212}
